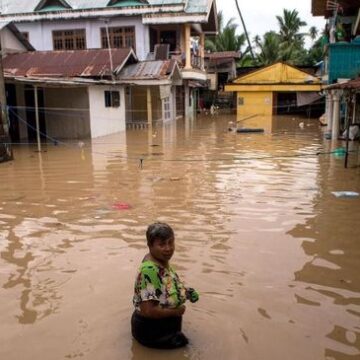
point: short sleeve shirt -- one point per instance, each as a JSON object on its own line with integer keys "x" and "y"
{"x": 157, "y": 283}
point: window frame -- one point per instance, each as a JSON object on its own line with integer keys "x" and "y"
{"x": 118, "y": 37}
{"x": 112, "y": 99}
{"x": 63, "y": 37}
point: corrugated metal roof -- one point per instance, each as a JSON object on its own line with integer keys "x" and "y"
{"x": 3, "y": 24}
{"x": 146, "y": 70}
{"x": 78, "y": 63}
{"x": 350, "y": 85}
{"x": 223, "y": 55}
{"x": 28, "y": 6}
{"x": 198, "y": 6}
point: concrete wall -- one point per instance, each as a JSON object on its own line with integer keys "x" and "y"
{"x": 254, "y": 103}
{"x": 10, "y": 42}
{"x": 189, "y": 102}
{"x": 105, "y": 120}
{"x": 66, "y": 113}
{"x": 40, "y": 33}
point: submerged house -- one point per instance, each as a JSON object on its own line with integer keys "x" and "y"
{"x": 66, "y": 94}
{"x": 274, "y": 89}
{"x": 156, "y": 30}
{"x": 341, "y": 58}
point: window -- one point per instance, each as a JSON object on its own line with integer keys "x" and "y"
{"x": 167, "y": 109}
{"x": 120, "y": 37}
{"x": 112, "y": 99}
{"x": 69, "y": 39}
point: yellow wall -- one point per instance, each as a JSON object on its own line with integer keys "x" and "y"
{"x": 259, "y": 103}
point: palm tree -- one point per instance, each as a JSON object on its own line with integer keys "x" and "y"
{"x": 291, "y": 39}
{"x": 313, "y": 33}
{"x": 290, "y": 25}
{"x": 227, "y": 39}
{"x": 269, "y": 48}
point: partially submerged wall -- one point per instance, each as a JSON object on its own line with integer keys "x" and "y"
{"x": 67, "y": 113}
{"x": 105, "y": 120}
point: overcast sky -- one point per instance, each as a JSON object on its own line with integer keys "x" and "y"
{"x": 259, "y": 15}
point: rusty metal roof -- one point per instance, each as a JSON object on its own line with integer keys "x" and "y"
{"x": 66, "y": 64}
{"x": 147, "y": 70}
{"x": 349, "y": 85}
{"x": 223, "y": 55}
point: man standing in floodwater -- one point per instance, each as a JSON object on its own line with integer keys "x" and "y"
{"x": 159, "y": 294}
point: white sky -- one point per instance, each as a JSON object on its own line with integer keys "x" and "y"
{"x": 259, "y": 15}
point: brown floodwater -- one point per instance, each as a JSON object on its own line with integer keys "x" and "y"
{"x": 274, "y": 254}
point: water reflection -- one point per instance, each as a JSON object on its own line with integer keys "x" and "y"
{"x": 258, "y": 232}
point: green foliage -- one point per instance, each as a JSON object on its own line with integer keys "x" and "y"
{"x": 288, "y": 44}
{"x": 227, "y": 39}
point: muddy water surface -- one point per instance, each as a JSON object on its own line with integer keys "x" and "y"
{"x": 274, "y": 255}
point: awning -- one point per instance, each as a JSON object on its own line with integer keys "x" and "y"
{"x": 198, "y": 84}
{"x": 306, "y": 98}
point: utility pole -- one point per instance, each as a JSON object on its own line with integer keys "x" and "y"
{"x": 245, "y": 30}
{"x": 6, "y": 153}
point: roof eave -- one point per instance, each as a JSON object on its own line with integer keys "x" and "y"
{"x": 94, "y": 12}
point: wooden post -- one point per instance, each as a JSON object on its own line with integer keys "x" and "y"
{"x": 202, "y": 51}
{"x": 4, "y": 120}
{"x": 188, "y": 46}
{"x": 37, "y": 118}
{"x": 149, "y": 106}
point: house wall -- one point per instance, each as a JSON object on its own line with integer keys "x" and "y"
{"x": 10, "y": 43}
{"x": 66, "y": 113}
{"x": 40, "y": 33}
{"x": 139, "y": 104}
{"x": 138, "y": 107}
{"x": 254, "y": 103}
{"x": 105, "y": 120}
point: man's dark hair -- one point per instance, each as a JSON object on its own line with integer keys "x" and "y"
{"x": 159, "y": 231}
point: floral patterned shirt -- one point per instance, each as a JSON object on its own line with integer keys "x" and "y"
{"x": 155, "y": 282}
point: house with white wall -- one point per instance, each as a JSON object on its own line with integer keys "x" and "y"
{"x": 62, "y": 25}
{"x": 67, "y": 94}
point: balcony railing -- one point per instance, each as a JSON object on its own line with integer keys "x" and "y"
{"x": 196, "y": 61}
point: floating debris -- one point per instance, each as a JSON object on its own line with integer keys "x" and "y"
{"x": 339, "y": 152}
{"x": 345, "y": 194}
{"x": 121, "y": 206}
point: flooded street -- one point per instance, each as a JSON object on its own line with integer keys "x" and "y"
{"x": 274, "y": 254}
